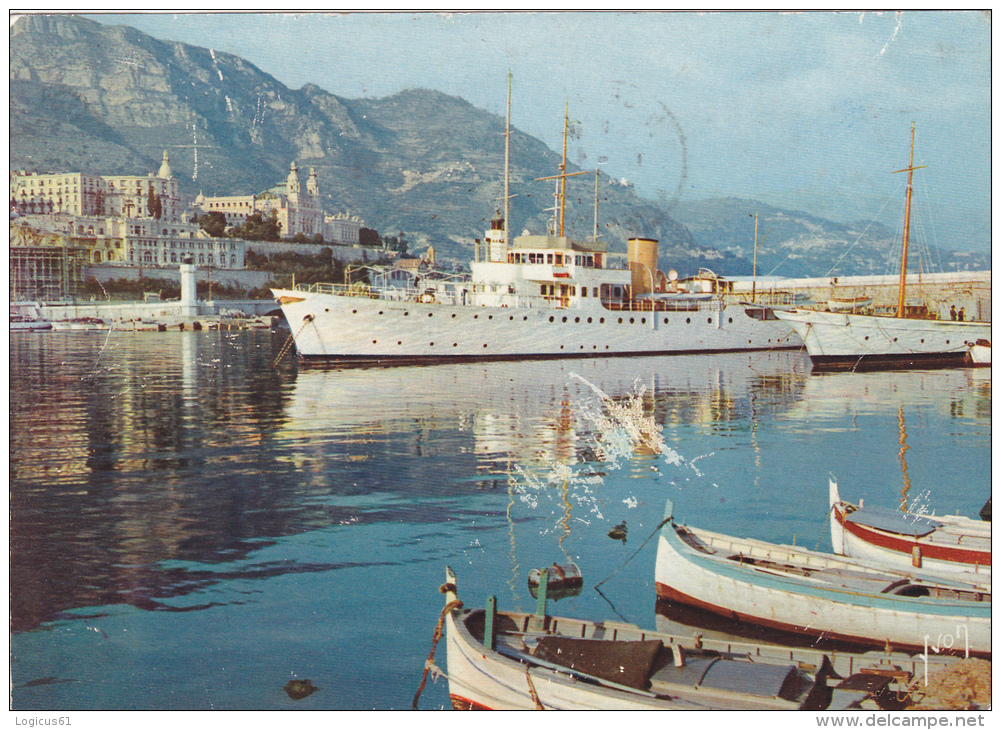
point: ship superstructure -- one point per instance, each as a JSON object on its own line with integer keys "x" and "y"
{"x": 536, "y": 296}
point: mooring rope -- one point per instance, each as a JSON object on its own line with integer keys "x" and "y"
{"x": 531, "y": 689}
{"x": 291, "y": 338}
{"x": 450, "y": 606}
{"x": 655, "y": 531}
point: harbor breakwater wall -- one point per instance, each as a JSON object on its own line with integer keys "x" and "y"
{"x": 969, "y": 290}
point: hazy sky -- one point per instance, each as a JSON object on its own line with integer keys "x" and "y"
{"x": 810, "y": 110}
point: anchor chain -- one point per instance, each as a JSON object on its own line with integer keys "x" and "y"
{"x": 291, "y": 339}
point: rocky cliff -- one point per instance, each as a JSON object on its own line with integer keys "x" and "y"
{"x": 110, "y": 99}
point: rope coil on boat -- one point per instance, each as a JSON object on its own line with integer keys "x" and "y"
{"x": 450, "y": 606}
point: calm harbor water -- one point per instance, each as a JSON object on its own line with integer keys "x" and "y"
{"x": 191, "y": 528}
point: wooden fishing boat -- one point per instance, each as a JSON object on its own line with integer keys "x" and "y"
{"x": 946, "y": 545}
{"x": 507, "y": 660}
{"x": 828, "y": 597}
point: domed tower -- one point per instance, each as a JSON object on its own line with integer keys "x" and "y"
{"x": 165, "y": 172}
{"x": 292, "y": 185}
{"x": 313, "y": 185}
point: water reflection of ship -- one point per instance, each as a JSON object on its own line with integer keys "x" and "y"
{"x": 524, "y": 412}
{"x": 832, "y": 395}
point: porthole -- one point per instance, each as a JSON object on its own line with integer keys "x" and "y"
{"x": 328, "y": 309}
{"x": 564, "y": 319}
{"x": 511, "y": 318}
{"x": 552, "y": 319}
{"x": 490, "y": 316}
{"x": 484, "y": 344}
{"x": 922, "y": 341}
{"x": 524, "y": 319}
{"x": 666, "y": 320}
{"x": 729, "y": 320}
{"x": 399, "y": 342}
{"x": 455, "y": 344}
{"x": 688, "y": 320}
{"x": 375, "y": 342}
{"x": 589, "y": 320}
{"x": 476, "y": 316}
{"x": 620, "y": 320}
{"x": 453, "y": 315}
{"x": 867, "y": 337}
{"x": 709, "y": 320}
{"x": 632, "y": 320}
{"x": 430, "y": 314}
{"x": 406, "y": 314}
{"x": 601, "y": 321}
{"x": 643, "y": 320}
{"x": 894, "y": 339}
{"x": 354, "y": 311}
{"x": 576, "y": 320}
{"x": 432, "y": 344}
{"x": 380, "y": 311}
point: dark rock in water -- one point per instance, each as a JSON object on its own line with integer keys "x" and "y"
{"x": 299, "y": 688}
{"x": 619, "y": 532}
{"x": 985, "y": 511}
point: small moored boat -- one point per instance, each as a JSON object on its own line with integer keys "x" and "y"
{"x": 811, "y": 594}
{"x": 946, "y": 545}
{"x": 980, "y": 353}
{"x": 80, "y": 324}
{"x": 506, "y": 660}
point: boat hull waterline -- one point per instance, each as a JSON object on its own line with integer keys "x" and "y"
{"x": 950, "y": 545}
{"x": 822, "y": 596}
{"x": 537, "y": 661}
{"x": 837, "y": 341}
{"x": 330, "y": 328}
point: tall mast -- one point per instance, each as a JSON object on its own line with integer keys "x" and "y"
{"x": 563, "y": 166}
{"x": 907, "y": 226}
{"x": 561, "y": 187}
{"x": 507, "y": 166}
{"x": 754, "y": 268}
{"x": 596, "y": 205}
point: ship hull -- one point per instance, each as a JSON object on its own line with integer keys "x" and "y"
{"x": 346, "y": 330}
{"x": 838, "y": 341}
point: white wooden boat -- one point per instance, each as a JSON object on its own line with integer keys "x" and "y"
{"x": 849, "y": 304}
{"x": 81, "y": 324}
{"x": 22, "y": 323}
{"x": 817, "y": 595}
{"x": 947, "y": 545}
{"x": 847, "y": 340}
{"x": 980, "y": 353}
{"x": 27, "y": 317}
{"x": 505, "y": 660}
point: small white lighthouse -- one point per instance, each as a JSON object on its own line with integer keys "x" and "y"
{"x": 189, "y": 298}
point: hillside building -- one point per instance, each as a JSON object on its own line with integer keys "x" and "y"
{"x": 298, "y": 210}
{"x": 62, "y": 223}
{"x": 77, "y": 193}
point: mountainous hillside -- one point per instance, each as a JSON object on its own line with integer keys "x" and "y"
{"x": 110, "y": 99}
{"x": 793, "y": 243}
